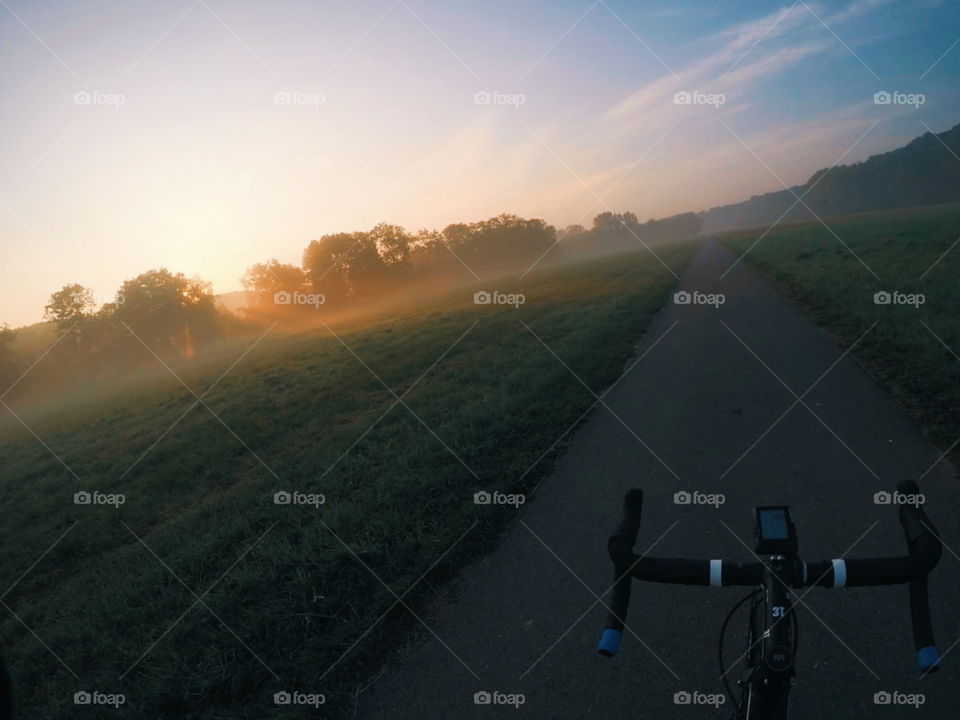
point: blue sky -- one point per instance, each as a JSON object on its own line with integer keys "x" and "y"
{"x": 186, "y": 158}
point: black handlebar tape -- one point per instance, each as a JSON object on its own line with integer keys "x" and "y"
{"x": 916, "y": 524}
{"x": 870, "y": 571}
{"x": 925, "y": 551}
{"x": 620, "y": 547}
{"x": 632, "y": 512}
{"x": 928, "y": 657}
{"x": 923, "y": 545}
{"x": 679, "y": 571}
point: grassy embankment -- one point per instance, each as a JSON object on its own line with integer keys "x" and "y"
{"x": 913, "y": 349}
{"x": 199, "y": 597}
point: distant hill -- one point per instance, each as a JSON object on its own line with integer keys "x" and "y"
{"x": 923, "y": 172}
{"x": 231, "y": 301}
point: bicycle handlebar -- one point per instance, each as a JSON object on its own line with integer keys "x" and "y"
{"x": 620, "y": 544}
{"x": 924, "y": 550}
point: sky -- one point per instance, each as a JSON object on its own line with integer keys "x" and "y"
{"x": 205, "y": 136}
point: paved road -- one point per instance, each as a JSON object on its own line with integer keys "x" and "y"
{"x": 526, "y": 620}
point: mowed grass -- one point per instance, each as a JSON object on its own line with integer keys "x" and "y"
{"x": 201, "y": 598}
{"x": 912, "y": 349}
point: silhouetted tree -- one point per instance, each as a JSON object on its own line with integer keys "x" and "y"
{"x": 501, "y": 242}
{"x": 169, "y": 312}
{"x": 264, "y": 280}
{"x": 69, "y": 308}
{"x": 392, "y": 243}
{"x": 427, "y": 248}
{"x": 605, "y": 221}
{"x": 458, "y": 236}
{"x": 619, "y": 232}
{"x": 343, "y": 265}
{"x": 324, "y": 265}
{"x": 612, "y": 232}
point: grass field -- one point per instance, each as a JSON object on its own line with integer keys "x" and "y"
{"x": 913, "y": 348}
{"x": 199, "y": 597}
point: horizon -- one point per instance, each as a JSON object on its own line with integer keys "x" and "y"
{"x": 294, "y": 122}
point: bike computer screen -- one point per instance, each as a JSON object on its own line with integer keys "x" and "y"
{"x": 774, "y": 531}
{"x": 773, "y": 524}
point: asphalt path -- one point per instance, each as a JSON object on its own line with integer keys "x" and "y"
{"x": 749, "y": 400}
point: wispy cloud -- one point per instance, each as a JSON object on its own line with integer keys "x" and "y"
{"x": 856, "y": 9}
{"x": 742, "y": 56}
{"x": 740, "y": 62}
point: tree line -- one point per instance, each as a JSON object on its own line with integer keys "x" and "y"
{"x": 356, "y": 266}
{"x": 168, "y": 315}
{"x": 157, "y": 313}
{"x": 622, "y": 232}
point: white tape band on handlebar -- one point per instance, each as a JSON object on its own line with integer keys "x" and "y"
{"x": 839, "y": 573}
{"x": 716, "y": 573}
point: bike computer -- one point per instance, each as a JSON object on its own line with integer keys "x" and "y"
{"x": 774, "y": 531}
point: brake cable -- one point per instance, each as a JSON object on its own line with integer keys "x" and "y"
{"x": 794, "y": 641}
{"x": 723, "y": 630}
